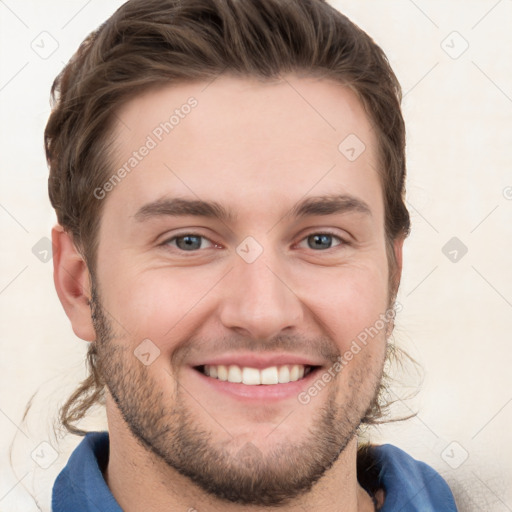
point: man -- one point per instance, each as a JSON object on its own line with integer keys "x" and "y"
{"x": 228, "y": 177}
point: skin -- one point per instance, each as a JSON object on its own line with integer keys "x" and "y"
{"x": 257, "y": 149}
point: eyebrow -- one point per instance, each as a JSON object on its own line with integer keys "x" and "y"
{"x": 329, "y": 205}
{"x": 313, "y": 205}
{"x": 178, "y": 207}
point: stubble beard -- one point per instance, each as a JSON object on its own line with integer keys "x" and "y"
{"x": 243, "y": 474}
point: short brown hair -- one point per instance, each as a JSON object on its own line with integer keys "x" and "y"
{"x": 148, "y": 43}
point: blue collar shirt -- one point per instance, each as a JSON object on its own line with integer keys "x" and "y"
{"x": 410, "y": 485}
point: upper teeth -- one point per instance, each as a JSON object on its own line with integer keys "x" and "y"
{"x": 252, "y": 376}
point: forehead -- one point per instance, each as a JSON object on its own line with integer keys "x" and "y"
{"x": 245, "y": 143}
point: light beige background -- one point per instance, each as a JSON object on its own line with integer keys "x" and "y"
{"x": 456, "y": 315}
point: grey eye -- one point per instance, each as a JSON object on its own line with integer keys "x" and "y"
{"x": 188, "y": 242}
{"x": 319, "y": 241}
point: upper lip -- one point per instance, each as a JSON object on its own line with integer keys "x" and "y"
{"x": 260, "y": 361}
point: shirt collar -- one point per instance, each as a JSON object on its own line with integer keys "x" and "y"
{"x": 410, "y": 485}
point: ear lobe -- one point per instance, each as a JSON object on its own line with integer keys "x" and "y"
{"x": 72, "y": 282}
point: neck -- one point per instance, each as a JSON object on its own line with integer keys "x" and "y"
{"x": 132, "y": 470}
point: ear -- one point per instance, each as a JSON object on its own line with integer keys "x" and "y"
{"x": 73, "y": 284}
{"x": 398, "y": 245}
{"x": 396, "y": 274}
{"x": 394, "y": 278}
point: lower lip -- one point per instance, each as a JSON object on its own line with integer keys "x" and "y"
{"x": 266, "y": 392}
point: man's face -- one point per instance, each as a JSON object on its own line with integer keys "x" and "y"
{"x": 276, "y": 283}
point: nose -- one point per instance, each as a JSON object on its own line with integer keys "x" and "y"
{"x": 259, "y": 302}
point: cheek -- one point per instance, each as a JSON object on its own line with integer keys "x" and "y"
{"x": 159, "y": 303}
{"x": 350, "y": 302}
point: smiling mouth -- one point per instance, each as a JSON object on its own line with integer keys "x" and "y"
{"x": 282, "y": 374}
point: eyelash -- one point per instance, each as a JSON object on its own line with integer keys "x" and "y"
{"x": 342, "y": 241}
